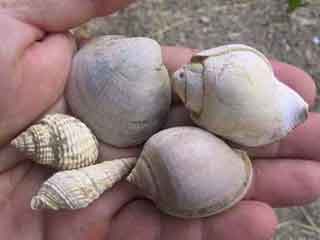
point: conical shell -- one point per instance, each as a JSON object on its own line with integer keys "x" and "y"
{"x": 59, "y": 141}
{"x": 190, "y": 173}
{"x": 75, "y": 189}
{"x": 233, "y": 92}
{"x": 120, "y": 89}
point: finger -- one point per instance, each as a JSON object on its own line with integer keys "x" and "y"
{"x": 300, "y": 143}
{"x": 52, "y": 16}
{"x": 297, "y": 79}
{"x": 37, "y": 84}
{"x": 59, "y": 107}
{"x": 285, "y": 182}
{"x": 10, "y": 156}
{"x": 94, "y": 221}
{"x": 175, "y": 57}
{"x": 248, "y": 220}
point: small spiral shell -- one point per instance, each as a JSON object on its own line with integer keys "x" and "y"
{"x": 60, "y": 141}
{"x": 75, "y": 189}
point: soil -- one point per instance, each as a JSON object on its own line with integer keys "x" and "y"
{"x": 266, "y": 25}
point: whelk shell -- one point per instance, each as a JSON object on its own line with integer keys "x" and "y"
{"x": 232, "y": 91}
{"x": 75, "y": 189}
{"x": 59, "y": 141}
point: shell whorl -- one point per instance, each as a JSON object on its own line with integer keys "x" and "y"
{"x": 188, "y": 83}
{"x": 75, "y": 189}
{"x": 59, "y": 141}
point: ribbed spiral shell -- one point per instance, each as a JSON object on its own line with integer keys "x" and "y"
{"x": 60, "y": 141}
{"x": 75, "y": 189}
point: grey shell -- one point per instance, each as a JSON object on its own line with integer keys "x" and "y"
{"x": 120, "y": 89}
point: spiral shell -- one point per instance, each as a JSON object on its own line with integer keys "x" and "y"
{"x": 232, "y": 91}
{"x": 59, "y": 141}
{"x": 189, "y": 173}
{"x": 186, "y": 171}
{"x": 120, "y": 88}
{"x": 75, "y": 189}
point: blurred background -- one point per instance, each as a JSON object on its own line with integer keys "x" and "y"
{"x": 293, "y": 37}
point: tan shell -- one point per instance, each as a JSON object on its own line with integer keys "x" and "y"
{"x": 232, "y": 91}
{"x": 120, "y": 89}
{"x": 75, "y": 189}
{"x": 59, "y": 141}
{"x": 190, "y": 173}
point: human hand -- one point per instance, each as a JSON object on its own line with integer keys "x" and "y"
{"x": 35, "y": 62}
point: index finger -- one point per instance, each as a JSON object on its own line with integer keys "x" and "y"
{"x": 58, "y": 16}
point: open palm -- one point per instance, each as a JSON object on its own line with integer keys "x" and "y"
{"x": 35, "y": 61}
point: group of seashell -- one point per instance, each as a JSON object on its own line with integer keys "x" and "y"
{"x": 121, "y": 91}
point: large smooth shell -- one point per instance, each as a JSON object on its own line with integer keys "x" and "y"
{"x": 59, "y": 141}
{"x": 120, "y": 89}
{"x": 190, "y": 173}
{"x": 233, "y": 92}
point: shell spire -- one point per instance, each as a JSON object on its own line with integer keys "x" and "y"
{"x": 60, "y": 141}
{"x": 75, "y": 189}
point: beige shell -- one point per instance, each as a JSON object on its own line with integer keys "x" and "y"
{"x": 120, "y": 89}
{"x": 59, "y": 141}
{"x": 186, "y": 171}
{"x": 189, "y": 173}
{"x": 75, "y": 189}
{"x": 232, "y": 91}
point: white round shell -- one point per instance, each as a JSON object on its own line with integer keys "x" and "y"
{"x": 190, "y": 173}
{"x": 233, "y": 92}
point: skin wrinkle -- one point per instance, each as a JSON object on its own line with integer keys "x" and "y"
{"x": 18, "y": 182}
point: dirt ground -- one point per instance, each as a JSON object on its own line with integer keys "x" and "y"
{"x": 266, "y": 25}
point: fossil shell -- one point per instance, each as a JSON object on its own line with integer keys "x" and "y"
{"x": 59, "y": 141}
{"x": 232, "y": 91}
{"x": 120, "y": 89}
{"x": 75, "y": 189}
{"x": 190, "y": 173}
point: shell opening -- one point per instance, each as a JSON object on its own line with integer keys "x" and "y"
{"x": 188, "y": 84}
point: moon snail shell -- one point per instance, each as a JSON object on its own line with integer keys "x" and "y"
{"x": 190, "y": 173}
{"x": 232, "y": 91}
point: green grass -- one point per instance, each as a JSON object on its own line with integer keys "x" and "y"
{"x": 294, "y": 4}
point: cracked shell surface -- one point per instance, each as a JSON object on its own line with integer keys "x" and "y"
{"x": 232, "y": 91}
{"x": 59, "y": 141}
{"x": 120, "y": 89}
{"x": 190, "y": 173}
